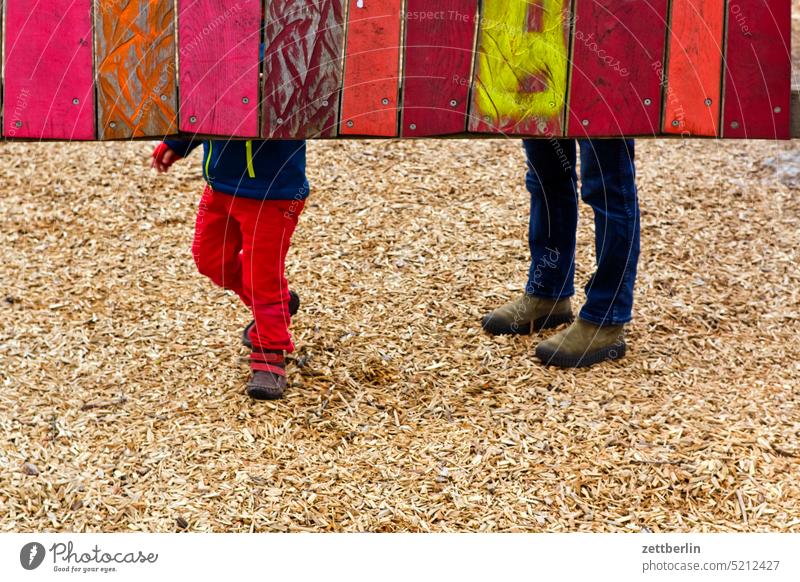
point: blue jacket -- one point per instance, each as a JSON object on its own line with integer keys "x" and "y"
{"x": 260, "y": 169}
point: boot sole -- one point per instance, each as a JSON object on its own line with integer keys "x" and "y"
{"x": 538, "y": 324}
{"x": 553, "y": 358}
{"x": 257, "y": 394}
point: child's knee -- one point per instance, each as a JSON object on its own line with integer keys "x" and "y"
{"x": 208, "y": 264}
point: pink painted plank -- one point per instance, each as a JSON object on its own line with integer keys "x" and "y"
{"x": 758, "y": 70}
{"x": 438, "y": 58}
{"x": 617, "y": 55}
{"x": 218, "y": 44}
{"x": 49, "y": 92}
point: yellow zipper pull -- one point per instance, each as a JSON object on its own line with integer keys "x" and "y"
{"x": 249, "y": 147}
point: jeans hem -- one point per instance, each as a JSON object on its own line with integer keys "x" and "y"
{"x": 604, "y": 321}
{"x": 557, "y": 297}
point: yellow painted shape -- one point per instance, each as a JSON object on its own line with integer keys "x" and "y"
{"x": 510, "y": 53}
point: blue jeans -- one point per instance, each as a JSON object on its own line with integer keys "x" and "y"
{"x": 608, "y": 185}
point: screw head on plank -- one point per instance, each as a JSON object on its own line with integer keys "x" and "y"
{"x": 708, "y": 102}
{"x": 385, "y": 101}
{"x": 412, "y": 126}
{"x": 112, "y": 124}
{"x": 676, "y": 123}
{"x": 648, "y": 102}
{"x": 453, "y": 103}
{"x": 778, "y": 109}
{"x": 76, "y": 101}
{"x": 585, "y": 122}
{"x": 245, "y": 100}
{"x": 734, "y": 124}
{"x": 193, "y": 119}
{"x": 349, "y": 123}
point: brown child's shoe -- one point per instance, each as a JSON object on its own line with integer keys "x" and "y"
{"x": 268, "y": 381}
{"x": 582, "y": 344}
{"x": 527, "y": 315}
{"x": 294, "y": 307}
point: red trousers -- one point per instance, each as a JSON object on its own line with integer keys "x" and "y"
{"x": 241, "y": 244}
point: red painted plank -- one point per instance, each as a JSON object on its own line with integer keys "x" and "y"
{"x": 438, "y": 60}
{"x": 521, "y": 68}
{"x": 694, "y": 67}
{"x": 219, "y": 61}
{"x": 618, "y": 47}
{"x": 302, "y": 68}
{"x": 371, "y": 70}
{"x": 49, "y": 92}
{"x": 758, "y": 70}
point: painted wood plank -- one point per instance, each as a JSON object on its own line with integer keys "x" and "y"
{"x": 218, "y": 57}
{"x": 371, "y": 69}
{"x": 136, "y": 92}
{"x": 49, "y": 91}
{"x": 795, "y": 114}
{"x": 438, "y": 48}
{"x": 758, "y": 70}
{"x": 617, "y": 55}
{"x": 694, "y": 68}
{"x": 302, "y": 68}
{"x": 520, "y": 80}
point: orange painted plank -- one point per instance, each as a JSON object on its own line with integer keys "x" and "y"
{"x": 694, "y": 68}
{"x": 136, "y": 94}
{"x": 49, "y": 90}
{"x": 372, "y": 68}
{"x": 758, "y": 70}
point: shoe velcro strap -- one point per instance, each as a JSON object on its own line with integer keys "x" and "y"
{"x": 259, "y": 367}
{"x": 267, "y": 357}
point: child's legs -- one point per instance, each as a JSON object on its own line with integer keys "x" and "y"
{"x": 218, "y": 242}
{"x": 267, "y": 228}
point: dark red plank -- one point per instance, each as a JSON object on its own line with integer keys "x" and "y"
{"x": 219, "y": 60}
{"x": 758, "y": 70}
{"x": 618, "y": 47}
{"x": 371, "y": 69}
{"x": 49, "y": 92}
{"x": 302, "y": 68}
{"x": 438, "y": 58}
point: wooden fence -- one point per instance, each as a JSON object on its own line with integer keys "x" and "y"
{"x": 121, "y": 69}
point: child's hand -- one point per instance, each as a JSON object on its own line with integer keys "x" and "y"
{"x": 163, "y": 157}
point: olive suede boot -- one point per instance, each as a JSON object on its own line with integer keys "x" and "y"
{"x": 582, "y": 344}
{"x": 527, "y": 315}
